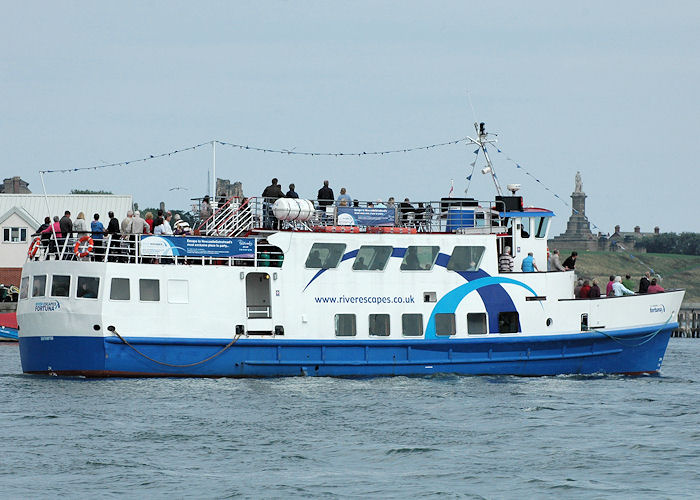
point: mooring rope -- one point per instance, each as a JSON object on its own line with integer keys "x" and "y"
{"x": 235, "y": 339}
{"x": 646, "y": 337}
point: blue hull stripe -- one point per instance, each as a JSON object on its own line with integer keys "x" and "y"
{"x": 630, "y": 351}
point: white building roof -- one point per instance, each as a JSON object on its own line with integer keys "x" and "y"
{"x": 35, "y": 205}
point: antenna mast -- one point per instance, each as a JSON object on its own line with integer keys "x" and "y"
{"x": 481, "y": 141}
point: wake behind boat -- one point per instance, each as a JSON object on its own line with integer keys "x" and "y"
{"x": 293, "y": 288}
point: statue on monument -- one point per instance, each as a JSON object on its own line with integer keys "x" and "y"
{"x": 579, "y": 183}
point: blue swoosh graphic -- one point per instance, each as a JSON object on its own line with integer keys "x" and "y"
{"x": 449, "y": 303}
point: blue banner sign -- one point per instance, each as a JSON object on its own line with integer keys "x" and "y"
{"x": 366, "y": 216}
{"x": 197, "y": 246}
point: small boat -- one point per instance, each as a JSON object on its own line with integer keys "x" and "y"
{"x": 291, "y": 289}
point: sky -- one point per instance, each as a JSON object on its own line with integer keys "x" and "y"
{"x": 609, "y": 89}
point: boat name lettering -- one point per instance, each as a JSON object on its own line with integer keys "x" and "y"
{"x": 657, "y": 308}
{"x": 342, "y": 299}
{"x": 53, "y": 305}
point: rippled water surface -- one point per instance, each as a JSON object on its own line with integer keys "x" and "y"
{"x": 448, "y": 436}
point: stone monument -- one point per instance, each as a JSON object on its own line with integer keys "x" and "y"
{"x": 578, "y": 235}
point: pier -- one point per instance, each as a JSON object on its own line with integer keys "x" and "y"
{"x": 688, "y": 321}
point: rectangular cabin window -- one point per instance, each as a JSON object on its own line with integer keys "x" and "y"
{"x": 541, "y": 227}
{"x": 24, "y": 288}
{"x": 88, "y": 287}
{"x": 508, "y": 322}
{"x": 525, "y": 227}
{"x": 379, "y": 325}
{"x": 412, "y": 325}
{"x": 372, "y": 258}
{"x": 445, "y": 324}
{"x": 419, "y": 258}
{"x": 325, "y": 255}
{"x": 476, "y": 323}
{"x": 178, "y": 292}
{"x": 584, "y": 322}
{"x": 120, "y": 289}
{"x": 149, "y": 290}
{"x": 60, "y": 285}
{"x": 345, "y": 325}
{"x": 465, "y": 258}
{"x": 39, "y": 286}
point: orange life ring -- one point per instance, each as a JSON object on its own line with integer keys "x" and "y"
{"x": 33, "y": 247}
{"x": 88, "y": 249}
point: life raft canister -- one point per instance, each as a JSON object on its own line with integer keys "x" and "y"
{"x": 88, "y": 248}
{"x": 33, "y": 247}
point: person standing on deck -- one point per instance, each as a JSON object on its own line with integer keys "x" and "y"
{"x": 505, "y": 261}
{"x": 325, "y": 196}
{"x": 555, "y": 261}
{"x": 291, "y": 193}
{"x": 644, "y": 282}
{"x": 528, "y": 265}
{"x": 570, "y": 262}
{"x": 270, "y": 195}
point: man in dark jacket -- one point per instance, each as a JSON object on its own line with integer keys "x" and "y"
{"x": 325, "y": 196}
{"x": 270, "y": 195}
{"x": 291, "y": 193}
{"x": 66, "y": 224}
{"x": 570, "y": 262}
{"x": 644, "y": 282}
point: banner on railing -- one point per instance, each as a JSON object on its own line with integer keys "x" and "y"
{"x": 366, "y": 216}
{"x": 197, "y": 246}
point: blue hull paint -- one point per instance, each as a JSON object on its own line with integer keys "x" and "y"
{"x": 631, "y": 352}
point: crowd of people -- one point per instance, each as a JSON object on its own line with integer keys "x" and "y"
{"x": 55, "y": 234}
{"x": 584, "y": 289}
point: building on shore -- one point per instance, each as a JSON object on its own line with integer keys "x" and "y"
{"x": 22, "y": 214}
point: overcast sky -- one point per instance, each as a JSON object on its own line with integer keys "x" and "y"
{"x": 607, "y": 88}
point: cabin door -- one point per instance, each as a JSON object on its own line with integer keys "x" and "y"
{"x": 257, "y": 301}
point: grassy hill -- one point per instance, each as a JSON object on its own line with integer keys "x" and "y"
{"x": 677, "y": 271}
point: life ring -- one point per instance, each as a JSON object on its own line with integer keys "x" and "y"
{"x": 33, "y": 247}
{"x": 88, "y": 248}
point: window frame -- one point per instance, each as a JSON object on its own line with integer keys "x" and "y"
{"x": 21, "y": 234}
{"x": 53, "y": 281}
{"x": 477, "y": 264}
{"x": 403, "y": 325}
{"x": 432, "y": 264}
{"x": 388, "y": 324}
{"x": 541, "y": 227}
{"x": 141, "y": 290}
{"x": 386, "y": 261}
{"x": 485, "y": 323}
{"x": 453, "y": 324}
{"x": 34, "y": 279}
{"x": 501, "y": 321}
{"x": 77, "y": 287}
{"x": 325, "y": 246}
{"x": 24, "y": 288}
{"x": 128, "y": 289}
{"x": 354, "y": 324}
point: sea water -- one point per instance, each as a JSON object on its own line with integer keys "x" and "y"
{"x": 443, "y": 436}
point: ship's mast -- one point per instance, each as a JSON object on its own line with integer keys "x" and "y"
{"x": 481, "y": 141}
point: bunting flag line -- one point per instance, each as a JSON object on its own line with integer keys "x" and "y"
{"x": 518, "y": 165}
{"x": 259, "y": 149}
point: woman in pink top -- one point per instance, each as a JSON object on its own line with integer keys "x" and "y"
{"x": 608, "y": 288}
{"x": 654, "y": 288}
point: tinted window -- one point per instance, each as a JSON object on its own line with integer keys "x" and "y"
{"x": 325, "y": 255}
{"x": 465, "y": 258}
{"x": 525, "y": 227}
{"x": 508, "y": 322}
{"x": 541, "y": 226}
{"x": 60, "y": 285}
{"x": 39, "y": 286}
{"x": 476, "y": 323}
{"x": 120, "y": 289}
{"x": 88, "y": 287}
{"x": 419, "y": 258}
{"x": 24, "y": 288}
{"x": 149, "y": 290}
{"x": 379, "y": 325}
{"x": 345, "y": 325}
{"x": 444, "y": 324}
{"x": 372, "y": 258}
{"x": 412, "y": 325}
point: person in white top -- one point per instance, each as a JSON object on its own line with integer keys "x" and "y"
{"x": 80, "y": 226}
{"x": 619, "y": 289}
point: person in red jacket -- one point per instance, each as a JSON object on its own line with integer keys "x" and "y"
{"x": 585, "y": 290}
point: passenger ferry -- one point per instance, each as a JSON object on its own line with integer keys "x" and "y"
{"x": 291, "y": 289}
